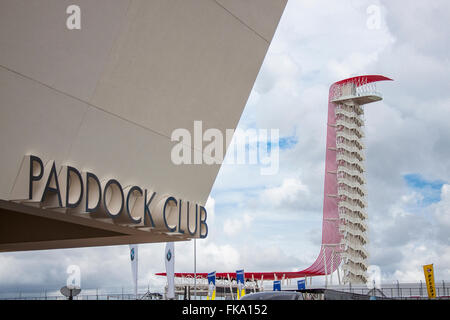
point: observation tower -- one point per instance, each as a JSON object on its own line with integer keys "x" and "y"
{"x": 344, "y": 230}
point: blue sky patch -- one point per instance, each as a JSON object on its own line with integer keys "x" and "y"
{"x": 288, "y": 142}
{"x": 430, "y": 190}
{"x": 284, "y": 143}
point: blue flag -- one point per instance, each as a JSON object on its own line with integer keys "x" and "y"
{"x": 301, "y": 284}
{"x": 211, "y": 286}
{"x": 240, "y": 279}
{"x": 277, "y": 285}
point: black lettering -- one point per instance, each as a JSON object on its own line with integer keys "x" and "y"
{"x": 54, "y": 175}
{"x": 203, "y": 222}
{"x": 130, "y": 192}
{"x": 179, "y": 218}
{"x": 92, "y": 177}
{"x": 108, "y": 185}
{"x": 147, "y": 212}
{"x": 68, "y": 181}
{"x": 34, "y": 159}
{"x": 196, "y": 219}
{"x": 169, "y": 199}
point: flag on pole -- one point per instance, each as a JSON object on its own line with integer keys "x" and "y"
{"x": 211, "y": 286}
{"x": 301, "y": 285}
{"x": 134, "y": 266}
{"x": 170, "y": 269}
{"x": 429, "y": 278}
{"x": 277, "y": 285}
{"x": 240, "y": 279}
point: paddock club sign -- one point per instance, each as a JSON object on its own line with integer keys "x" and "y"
{"x": 82, "y": 193}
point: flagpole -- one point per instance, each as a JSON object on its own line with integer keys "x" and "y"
{"x": 137, "y": 274}
{"x": 134, "y": 256}
{"x": 195, "y": 270}
{"x": 170, "y": 270}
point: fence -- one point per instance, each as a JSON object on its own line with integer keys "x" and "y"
{"x": 86, "y": 294}
{"x": 395, "y": 290}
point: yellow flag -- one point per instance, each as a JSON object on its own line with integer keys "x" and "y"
{"x": 429, "y": 279}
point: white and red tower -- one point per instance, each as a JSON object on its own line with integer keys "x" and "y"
{"x": 344, "y": 229}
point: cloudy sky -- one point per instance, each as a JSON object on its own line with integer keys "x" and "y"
{"x": 273, "y": 223}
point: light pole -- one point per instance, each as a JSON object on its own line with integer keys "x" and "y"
{"x": 195, "y": 270}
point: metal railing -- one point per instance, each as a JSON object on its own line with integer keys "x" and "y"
{"x": 394, "y": 290}
{"x": 86, "y": 294}
{"x": 398, "y": 290}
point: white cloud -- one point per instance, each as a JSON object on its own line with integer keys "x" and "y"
{"x": 406, "y": 241}
{"x": 218, "y": 257}
{"x": 235, "y": 226}
{"x": 441, "y": 215}
{"x": 210, "y": 207}
{"x": 442, "y": 212}
{"x": 280, "y": 71}
{"x": 290, "y": 191}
